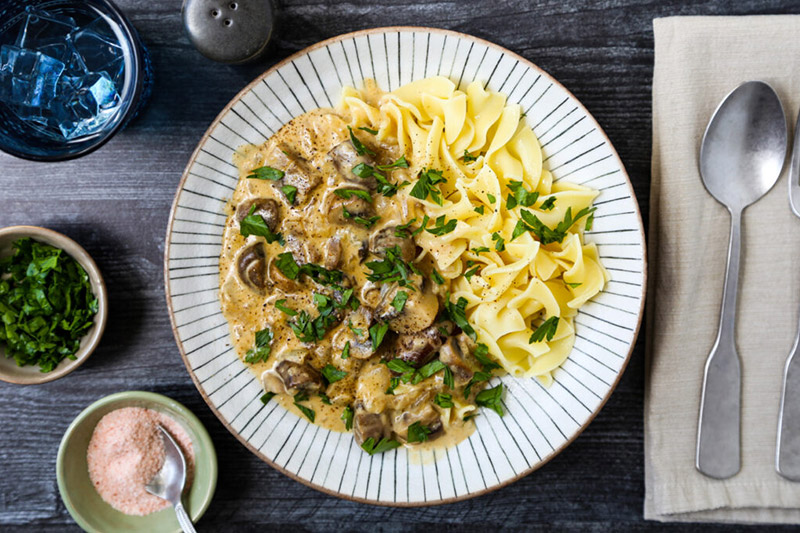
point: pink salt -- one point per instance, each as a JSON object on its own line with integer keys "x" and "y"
{"x": 126, "y": 450}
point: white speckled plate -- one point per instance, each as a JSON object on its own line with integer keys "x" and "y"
{"x": 539, "y": 421}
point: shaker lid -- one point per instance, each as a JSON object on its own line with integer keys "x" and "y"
{"x": 229, "y": 31}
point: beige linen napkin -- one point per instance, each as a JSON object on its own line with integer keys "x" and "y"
{"x": 698, "y": 60}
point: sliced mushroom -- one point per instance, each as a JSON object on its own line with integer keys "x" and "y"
{"x": 345, "y": 157}
{"x": 455, "y": 354}
{"x": 355, "y": 206}
{"x": 385, "y": 239}
{"x": 360, "y": 345}
{"x": 277, "y": 278}
{"x": 418, "y": 312}
{"x": 252, "y": 266}
{"x": 298, "y": 377}
{"x": 301, "y": 175}
{"x": 423, "y": 412}
{"x": 333, "y": 253}
{"x": 297, "y": 242}
{"x": 416, "y": 349}
{"x": 266, "y": 207}
{"x": 369, "y": 426}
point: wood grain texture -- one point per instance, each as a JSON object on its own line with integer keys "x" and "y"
{"x": 115, "y": 203}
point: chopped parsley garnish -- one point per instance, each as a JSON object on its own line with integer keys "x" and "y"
{"x": 366, "y": 222}
{"x": 400, "y": 163}
{"x": 589, "y": 221}
{"x": 391, "y": 269}
{"x": 428, "y": 370}
{"x": 377, "y": 332}
{"x": 443, "y": 400}
{"x": 468, "y": 157}
{"x": 280, "y": 305}
{"x": 546, "y": 330}
{"x": 437, "y": 278}
{"x": 520, "y": 195}
{"x": 426, "y": 185}
{"x": 262, "y": 349}
{"x": 548, "y": 204}
{"x": 458, "y": 314}
{"x": 358, "y": 145}
{"x": 368, "y": 130}
{"x": 346, "y": 350}
{"x": 310, "y": 414}
{"x": 393, "y": 383}
{"x": 384, "y": 445}
{"x": 441, "y": 227}
{"x": 46, "y": 304}
{"x": 266, "y": 397}
{"x": 333, "y": 374}
{"x": 289, "y": 267}
{"x": 479, "y": 209}
{"x": 480, "y": 249}
{"x": 399, "y": 300}
{"x": 477, "y": 377}
{"x": 448, "y": 378}
{"x": 545, "y": 234}
{"x": 519, "y": 229}
{"x": 265, "y": 173}
{"x": 418, "y": 433}
{"x": 357, "y": 331}
{"x": 573, "y": 285}
{"x": 491, "y": 398}
{"x": 469, "y": 273}
{"x": 313, "y": 330}
{"x": 290, "y": 191}
{"x": 500, "y": 243}
{"x": 403, "y": 231}
{"x": 254, "y": 224}
{"x": 491, "y": 198}
{"x": 324, "y": 398}
{"x": 347, "y": 418}
{"x": 349, "y": 193}
{"x": 481, "y": 353}
{"x": 363, "y": 170}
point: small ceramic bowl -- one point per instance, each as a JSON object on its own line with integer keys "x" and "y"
{"x": 84, "y": 503}
{"x": 31, "y": 375}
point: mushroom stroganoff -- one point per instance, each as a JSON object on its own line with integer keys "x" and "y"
{"x": 337, "y": 298}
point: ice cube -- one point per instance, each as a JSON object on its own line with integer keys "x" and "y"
{"x": 44, "y": 81}
{"x": 98, "y": 48}
{"x": 93, "y": 101}
{"x": 28, "y": 78}
{"x": 42, "y": 28}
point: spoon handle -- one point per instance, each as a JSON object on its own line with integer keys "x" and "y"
{"x": 183, "y": 519}
{"x": 787, "y": 456}
{"x": 718, "y": 431}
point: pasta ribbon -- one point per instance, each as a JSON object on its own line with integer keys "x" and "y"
{"x": 496, "y": 184}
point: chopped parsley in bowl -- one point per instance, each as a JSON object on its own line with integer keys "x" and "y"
{"x": 52, "y": 305}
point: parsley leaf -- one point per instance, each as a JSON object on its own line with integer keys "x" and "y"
{"x": 280, "y": 305}
{"x": 491, "y": 198}
{"x": 479, "y": 209}
{"x": 346, "y": 350}
{"x": 500, "y": 243}
{"x": 468, "y": 157}
{"x": 324, "y": 397}
{"x": 357, "y": 331}
{"x": 266, "y": 397}
{"x": 469, "y": 273}
{"x": 519, "y": 229}
{"x": 441, "y": 228}
{"x": 417, "y": 432}
{"x": 437, "y": 278}
{"x": 443, "y": 400}
{"x": 491, "y": 398}
{"x": 481, "y": 354}
{"x": 347, "y": 418}
{"x": 399, "y": 300}
{"x": 290, "y": 191}
{"x": 477, "y": 377}
{"x": 458, "y": 315}
{"x": 402, "y": 231}
{"x": 400, "y": 163}
{"x": 262, "y": 349}
{"x": 573, "y": 285}
{"x": 448, "y": 378}
{"x": 589, "y": 221}
{"x": 265, "y": 173}
{"x": 358, "y": 145}
{"x": 368, "y": 130}
{"x": 377, "y": 332}
{"x": 545, "y": 234}
{"x": 548, "y": 204}
{"x": 480, "y": 249}
{"x": 546, "y": 330}
{"x": 391, "y": 269}
{"x": 426, "y": 185}
{"x": 287, "y": 265}
{"x": 310, "y": 414}
{"x": 333, "y": 374}
{"x": 349, "y": 193}
{"x": 384, "y": 445}
{"x": 366, "y": 222}
{"x": 254, "y": 224}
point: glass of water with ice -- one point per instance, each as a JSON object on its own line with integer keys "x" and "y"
{"x": 72, "y": 73}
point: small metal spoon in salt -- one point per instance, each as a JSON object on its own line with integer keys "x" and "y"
{"x": 168, "y": 483}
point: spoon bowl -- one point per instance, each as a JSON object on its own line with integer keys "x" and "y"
{"x": 744, "y": 147}
{"x": 168, "y": 483}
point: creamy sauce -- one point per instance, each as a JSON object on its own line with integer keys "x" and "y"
{"x": 311, "y": 237}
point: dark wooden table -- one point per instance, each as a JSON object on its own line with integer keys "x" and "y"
{"x": 115, "y": 202}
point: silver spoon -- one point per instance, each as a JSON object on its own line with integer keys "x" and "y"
{"x": 168, "y": 483}
{"x": 741, "y": 158}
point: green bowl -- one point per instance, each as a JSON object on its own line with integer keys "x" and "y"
{"x": 85, "y": 504}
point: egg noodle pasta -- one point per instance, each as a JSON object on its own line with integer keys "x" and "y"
{"x": 516, "y": 256}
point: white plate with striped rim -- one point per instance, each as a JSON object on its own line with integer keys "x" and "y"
{"x": 539, "y": 421}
